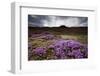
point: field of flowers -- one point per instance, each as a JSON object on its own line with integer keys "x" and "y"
{"x": 57, "y": 43}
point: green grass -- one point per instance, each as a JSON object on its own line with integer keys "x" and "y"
{"x": 80, "y": 38}
{"x": 78, "y": 34}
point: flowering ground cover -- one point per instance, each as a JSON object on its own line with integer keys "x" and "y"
{"x": 57, "y": 43}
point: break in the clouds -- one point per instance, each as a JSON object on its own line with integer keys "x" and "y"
{"x": 55, "y": 21}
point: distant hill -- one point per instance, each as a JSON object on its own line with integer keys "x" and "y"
{"x": 62, "y": 29}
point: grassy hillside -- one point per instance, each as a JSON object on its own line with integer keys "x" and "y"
{"x": 46, "y": 36}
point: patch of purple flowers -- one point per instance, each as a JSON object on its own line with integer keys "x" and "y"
{"x": 69, "y": 49}
{"x": 60, "y": 48}
{"x": 39, "y": 51}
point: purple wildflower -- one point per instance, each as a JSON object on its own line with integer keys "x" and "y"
{"x": 39, "y": 51}
{"x": 69, "y": 48}
{"x": 77, "y": 54}
{"x": 59, "y": 53}
{"x": 47, "y": 37}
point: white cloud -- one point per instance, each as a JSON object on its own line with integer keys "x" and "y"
{"x": 69, "y": 22}
{"x": 55, "y": 21}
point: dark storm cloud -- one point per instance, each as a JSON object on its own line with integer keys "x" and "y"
{"x": 35, "y": 20}
{"x": 53, "y": 21}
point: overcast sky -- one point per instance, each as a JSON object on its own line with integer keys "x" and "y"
{"x": 54, "y": 21}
